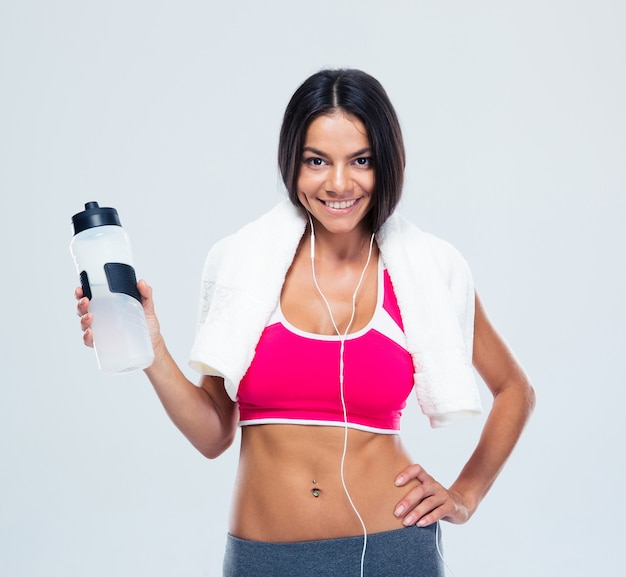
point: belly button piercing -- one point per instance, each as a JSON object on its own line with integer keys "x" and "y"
{"x": 315, "y": 491}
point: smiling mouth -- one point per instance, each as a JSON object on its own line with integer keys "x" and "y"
{"x": 340, "y": 204}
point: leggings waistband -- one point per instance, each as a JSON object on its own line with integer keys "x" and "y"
{"x": 408, "y": 552}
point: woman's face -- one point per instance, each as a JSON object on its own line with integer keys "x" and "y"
{"x": 336, "y": 179}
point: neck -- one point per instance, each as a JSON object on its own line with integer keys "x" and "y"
{"x": 340, "y": 247}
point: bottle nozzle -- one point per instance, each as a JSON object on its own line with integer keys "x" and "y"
{"x": 95, "y": 215}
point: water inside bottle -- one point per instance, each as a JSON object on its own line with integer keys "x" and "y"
{"x": 121, "y": 339}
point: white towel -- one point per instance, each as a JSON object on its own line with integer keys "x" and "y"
{"x": 243, "y": 278}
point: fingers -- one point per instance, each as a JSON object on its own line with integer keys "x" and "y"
{"x": 82, "y": 310}
{"x": 412, "y": 472}
{"x": 145, "y": 290}
{"x": 86, "y": 318}
{"x": 82, "y": 306}
{"x": 424, "y": 504}
{"x": 88, "y": 338}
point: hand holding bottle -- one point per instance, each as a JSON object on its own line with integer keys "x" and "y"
{"x": 86, "y": 318}
{"x": 116, "y": 325}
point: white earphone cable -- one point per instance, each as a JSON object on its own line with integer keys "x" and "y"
{"x": 342, "y": 340}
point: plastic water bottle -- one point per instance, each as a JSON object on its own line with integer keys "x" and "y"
{"x": 102, "y": 255}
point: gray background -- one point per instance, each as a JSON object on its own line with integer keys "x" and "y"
{"x": 513, "y": 114}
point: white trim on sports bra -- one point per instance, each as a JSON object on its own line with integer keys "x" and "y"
{"x": 318, "y": 422}
{"x": 381, "y": 320}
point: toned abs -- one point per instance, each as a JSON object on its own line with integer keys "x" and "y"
{"x": 289, "y": 484}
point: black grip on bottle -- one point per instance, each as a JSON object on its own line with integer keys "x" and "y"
{"x": 84, "y": 283}
{"x": 121, "y": 278}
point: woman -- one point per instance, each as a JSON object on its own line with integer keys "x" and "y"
{"x": 316, "y": 323}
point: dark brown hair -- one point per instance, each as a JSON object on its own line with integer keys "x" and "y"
{"x": 360, "y": 95}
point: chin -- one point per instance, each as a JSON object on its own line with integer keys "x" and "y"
{"x": 343, "y": 225}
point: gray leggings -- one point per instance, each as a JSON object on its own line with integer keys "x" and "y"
{"x": 410, "y": 552}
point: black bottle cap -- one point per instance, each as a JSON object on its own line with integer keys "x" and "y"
{"x": 93, "y": 216}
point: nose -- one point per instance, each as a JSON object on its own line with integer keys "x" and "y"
{"x": 339, "y": 180}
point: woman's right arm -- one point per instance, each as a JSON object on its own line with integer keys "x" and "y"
{"x": 205, "y": 414}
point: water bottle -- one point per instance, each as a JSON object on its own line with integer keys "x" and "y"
{"x": 102, "y": 255}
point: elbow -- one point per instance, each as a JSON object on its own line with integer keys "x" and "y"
{"x": 215, "y": 449}
{"x": 531, "y": 398}
{"x": 212, "y": 454}
{"x": 519, "y": 394}
{"x": 527, "y": 391}
{"x": 526, "y": 397}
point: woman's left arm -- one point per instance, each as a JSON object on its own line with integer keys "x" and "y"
{"x": 513, "y": 403}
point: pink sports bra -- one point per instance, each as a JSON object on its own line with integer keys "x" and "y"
{"x": 294, "y": 376}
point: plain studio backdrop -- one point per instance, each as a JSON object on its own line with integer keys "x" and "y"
{"x": 514, "y": 119}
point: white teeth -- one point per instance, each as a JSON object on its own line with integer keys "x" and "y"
{"x": 342, "y": 204}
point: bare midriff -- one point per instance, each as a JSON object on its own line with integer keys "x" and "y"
{"x": 289, "y": 484}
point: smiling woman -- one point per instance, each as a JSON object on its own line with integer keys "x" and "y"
{"x": 336, "y": 180}
{"x": 316, "y": 323}
{"x": 361, "y": 98}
